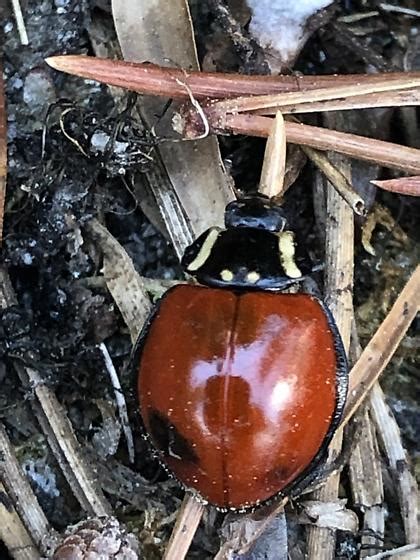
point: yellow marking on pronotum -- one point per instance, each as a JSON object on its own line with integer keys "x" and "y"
{"x": 287, "y": 254}
{"x": 226, "y": 275}
{"x": 204, "y": 253}
{"x": 253, "y": 277}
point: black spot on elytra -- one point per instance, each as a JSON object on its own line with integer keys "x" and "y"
{"x": 169, "y": 440}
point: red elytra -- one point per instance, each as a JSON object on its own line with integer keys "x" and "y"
{"x": 238, "y": 391}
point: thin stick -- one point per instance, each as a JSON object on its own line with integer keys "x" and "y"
{"x": 187, "y": 521}
{"x": 17, "y": 10}
{"x": 339, "y": 181}
{"x": 274, "y": 164}
{"x": 120, "y": 400}
{"x": 383, "y": 344}
{"x": 379, "y": 152}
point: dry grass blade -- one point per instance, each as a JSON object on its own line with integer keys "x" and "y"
{"x": 383, "y": 344}
{"x": 274, "y": 102}
{"x": 405, "y": 185}
{"x": 188, "y": 519}
{"x": 274, "y": 164}
{"x": 339, "y": 181}
{"x": 379, "y": 152}
{"x": 3, "y": 152}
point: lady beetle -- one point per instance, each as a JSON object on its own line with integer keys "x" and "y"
{"x": 241, "y": 386}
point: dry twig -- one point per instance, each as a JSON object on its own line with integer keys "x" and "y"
{"x": 339, "y": 256}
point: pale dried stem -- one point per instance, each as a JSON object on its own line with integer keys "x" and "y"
{"x": 274, "y": 164}
{"x": 339, "y": 257}
{"x": 408, "y": 552}
{"x": 379, "y": 152}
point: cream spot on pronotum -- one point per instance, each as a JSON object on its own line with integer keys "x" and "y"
{"x": 226, "y": 275}
{"x": 253, "y": 277}
{"x": 205, "y": 250}
{"x": 287, "y": 254}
